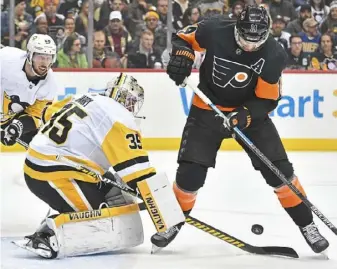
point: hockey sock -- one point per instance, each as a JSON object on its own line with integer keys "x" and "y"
{"x": 293, "y": 205}
{"x": 185, "y": 199}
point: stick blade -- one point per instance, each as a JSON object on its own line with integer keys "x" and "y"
{"x": 277, "y": 251}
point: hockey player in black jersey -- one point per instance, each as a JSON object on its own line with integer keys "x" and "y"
{"x": 241, "y": 74}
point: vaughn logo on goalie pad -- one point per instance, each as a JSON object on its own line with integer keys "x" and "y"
{"x": 85, "y": 215}
{"x": 155, "y": 214}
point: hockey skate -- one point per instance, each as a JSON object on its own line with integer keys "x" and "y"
{"x": 42, "y": 243}
{"x": 161, "y": 240}
{"x": 314, "y": 239}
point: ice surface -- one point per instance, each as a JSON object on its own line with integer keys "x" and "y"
{"x": 234, "y": 198}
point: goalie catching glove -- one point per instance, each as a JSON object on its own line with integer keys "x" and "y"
{"x": 180, "y": 64}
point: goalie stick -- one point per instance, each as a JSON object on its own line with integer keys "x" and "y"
{"x": 238, "y": 134}
{"x": 109, "y": 178}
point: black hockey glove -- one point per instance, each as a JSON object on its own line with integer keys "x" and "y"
{"x": 239, "y": 117}
{"x": 11, "y": 133}
{"x": 180, "y": 64}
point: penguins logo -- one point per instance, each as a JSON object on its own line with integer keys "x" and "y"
{"x": 13, "y": 105}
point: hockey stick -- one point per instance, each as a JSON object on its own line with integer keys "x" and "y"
{"x": 22, "y": 143}
{"x": 109, "y": 178}
{"x": 238, "y": 134}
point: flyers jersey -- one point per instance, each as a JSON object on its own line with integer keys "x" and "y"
{"x": 230, "y": 76}
{"x": 18, "y": 94}
{"x": 92, "y": 130}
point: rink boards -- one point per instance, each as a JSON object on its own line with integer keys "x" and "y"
{"x": 306, "y": 117}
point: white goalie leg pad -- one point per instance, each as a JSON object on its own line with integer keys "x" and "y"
{"x": 97, "y": 231}
{"x": 161, "y": 202}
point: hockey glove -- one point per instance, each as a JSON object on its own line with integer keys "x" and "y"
{"x": 11, "y": 133}
{"x": 239, "y": 117}
{"x": 180, "y": 64}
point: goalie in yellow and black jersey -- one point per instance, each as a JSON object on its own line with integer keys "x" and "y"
{"x": 96, "y": 132}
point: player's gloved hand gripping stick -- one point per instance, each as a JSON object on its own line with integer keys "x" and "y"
{"x": 237, "y": 134}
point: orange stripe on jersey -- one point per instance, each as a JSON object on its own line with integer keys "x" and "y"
{"x": 185, "y": 199}
{"x": 287, "y": 197}
{"x": 266, "y": 90}
{"x": 189, "y": 37}
{"x": 201, "y": 104}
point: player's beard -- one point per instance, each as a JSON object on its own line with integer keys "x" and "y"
{"x": 40, "y": 71}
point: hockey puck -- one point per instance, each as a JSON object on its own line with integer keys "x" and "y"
{"x": 257, "y": 229}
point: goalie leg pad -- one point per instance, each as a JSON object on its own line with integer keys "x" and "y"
{"x": 97, "y": 231}
{"x": 161, "y": 202}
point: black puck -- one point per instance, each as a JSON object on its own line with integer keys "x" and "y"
{"x": 257, "y": 229}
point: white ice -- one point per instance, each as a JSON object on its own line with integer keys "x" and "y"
{"x": 234, "y": 198}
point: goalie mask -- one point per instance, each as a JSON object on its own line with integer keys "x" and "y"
{"x": 252, "y": 28}
{"x": 126, "y": 91}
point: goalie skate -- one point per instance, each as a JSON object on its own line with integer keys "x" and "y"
{"x": 41, "y": 243}
{"x": 163, "y": 239}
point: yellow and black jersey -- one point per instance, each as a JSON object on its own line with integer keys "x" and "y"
{"x": 19, "y": 96}
{"x": 92, "y": 130}
{"x": 230, "y": 76}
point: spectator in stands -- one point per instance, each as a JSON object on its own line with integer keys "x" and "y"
{"x": 71, "y": 55}
{"x": 162, "y": 8}
{"x": 145, "y": 56}
{"x": 81, "y": 23}
{"x": 23, "y": 25}
{"x": 109, "y": 60}
{"x": 326, "y": 57}
{"x": 310, "y": 36}
{"x": 178, "y": 9}
{"x": 297, "y": 59}
{"x": 283, "y": 8}
{"x": 191, "y": 16}
{"x": 99, "y": 49}
{"x": 236, "y": 10}
{"x": 152, "y": 23}
{"x": 279, "y": 35}
{"x": 41, "y": 24}
{"x": 296, "y": 26}
{"x": 69, "y": 7}
{"x": 107, "y": 7}
{"x": 55, "y": 20}
{"x": 210, "y": 8}
{"x": 117, "y": 38}
{"x": 298, "y": 3}
{"x": 35, "y": 7}
{"x": 319, "y": 10}
{"x": 112, "y": 60}
{"x": 329, "y": 25}
{"x": 136, "y": 12}
{"x": 69, "y": 29}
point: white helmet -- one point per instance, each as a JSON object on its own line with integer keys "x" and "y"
{"x": 42, "y": 45}
{"x": 126, "y": 91}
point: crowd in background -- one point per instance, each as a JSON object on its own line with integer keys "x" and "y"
{"x": 133, "y": 33}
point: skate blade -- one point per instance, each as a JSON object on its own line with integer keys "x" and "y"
{"x": 324, "y": 255}
{"x": 24, "y": 244}
{"x": 155, "y": 249}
